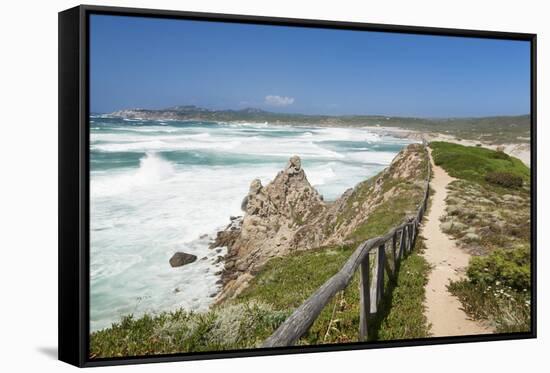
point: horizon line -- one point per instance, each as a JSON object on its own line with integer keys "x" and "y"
{"x": 319, "y": 115}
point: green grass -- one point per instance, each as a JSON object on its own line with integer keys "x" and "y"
{"x": 497, "y": 289}
{"x": 497, "y": 284}
{"x": 276, "y": 291}
{"x": 402, "y": 314}
{"x": 406, "y": 195}
{"x": 360, "y": 193}
{"x": 281, "y": 286}
{"x": 289, "y": 281}
{"x": 474, "y": 163}
{"x": 228, "y": 327}
{"x": 507, "y": 310}
{"x": 389, "y": 214}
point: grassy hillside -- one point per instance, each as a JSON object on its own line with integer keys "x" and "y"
{"x": 279, "y": 288}
{"x": 283, "y": 284}
{"x": 475, "y": 163}
{"x": 289, "y": 281}
{"x": 488, "y": 213}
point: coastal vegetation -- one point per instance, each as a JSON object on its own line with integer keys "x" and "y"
{"x": 277, "y": 290}
{"x": 488, "y": 213}
{"x": 247, "y": 321}
{"x": 284, "y": 282}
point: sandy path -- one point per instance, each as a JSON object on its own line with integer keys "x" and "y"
{"x": 443, "y": 310}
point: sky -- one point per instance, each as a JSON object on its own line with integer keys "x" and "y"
{"x": 152, "y": 63}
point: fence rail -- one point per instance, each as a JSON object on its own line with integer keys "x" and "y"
{"x": 400, "y": 240}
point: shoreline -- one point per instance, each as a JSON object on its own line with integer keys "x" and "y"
{"x": 520, "y": 150}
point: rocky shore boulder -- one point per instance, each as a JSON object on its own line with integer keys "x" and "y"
{"x": 180, "y": 259}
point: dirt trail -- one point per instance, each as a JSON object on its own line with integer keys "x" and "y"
{"x": 443, "y": 310}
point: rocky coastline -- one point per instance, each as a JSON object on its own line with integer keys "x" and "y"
{"x": 288, "y": 215}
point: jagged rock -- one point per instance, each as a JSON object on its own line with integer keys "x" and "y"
{"x": 227, "y": 237}
{"x": 244, "y": 203}
{"x": 288, "y": 214}
{"x": 180, "y": 259}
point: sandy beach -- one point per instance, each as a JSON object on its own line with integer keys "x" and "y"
{"x": 519, "y": 150}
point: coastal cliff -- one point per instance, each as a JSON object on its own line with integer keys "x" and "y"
{"x": 289, "y": 215}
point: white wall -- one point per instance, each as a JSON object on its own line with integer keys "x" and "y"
{"x": 28, "y": 186}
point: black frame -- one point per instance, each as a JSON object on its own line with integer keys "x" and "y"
{"x": 73, "y": 222}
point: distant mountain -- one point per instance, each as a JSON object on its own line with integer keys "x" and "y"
{"x": 192, "y": 112}
{"x": 187, "y": 108}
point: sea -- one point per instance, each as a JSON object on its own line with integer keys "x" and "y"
{"x": 159, "y": 187}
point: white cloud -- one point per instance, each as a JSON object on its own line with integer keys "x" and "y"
{"x": 274, "y": 100}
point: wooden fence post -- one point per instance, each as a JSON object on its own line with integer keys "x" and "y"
{"x": 373, "y": 289}
{"x": 410, "y": 230}
{"x": 416, "y": 224}
{"x": 394, "y": 254}
{"x": 371, "y": 282}
{"x": 380, "y": 274}
{"x": 364, "y": 294}
{"x": 402, "y": 242}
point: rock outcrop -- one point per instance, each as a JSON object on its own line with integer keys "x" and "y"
{"x": 180, "y": 259}
{"x": 288, "y": 214}
{"x": 273, "y": 214}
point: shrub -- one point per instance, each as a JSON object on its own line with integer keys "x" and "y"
{"x": 474, "y": 163}
{"x": 497, "y": 289}
{"x": 499, "y": 154}
{"x": 505, "y": 179}
{"x": 502, "y": 267}
{"x": 231, "y": 326}
{"x": 507, "y": 310}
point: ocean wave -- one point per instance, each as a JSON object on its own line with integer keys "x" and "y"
{"x": 247, "y": 124}
{"x": 371, "y": 157}
{"x": 145, "y": 211}
{"x": 152, "y": 169}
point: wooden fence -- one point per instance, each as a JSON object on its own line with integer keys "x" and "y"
{"x": 399, "y": 241}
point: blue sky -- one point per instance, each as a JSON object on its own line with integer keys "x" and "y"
{"x": 156, "y": 63}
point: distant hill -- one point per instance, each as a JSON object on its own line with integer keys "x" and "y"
{"x": 493, "y": 129}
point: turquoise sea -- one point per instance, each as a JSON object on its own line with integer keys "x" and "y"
{"x": 158, "y": 187}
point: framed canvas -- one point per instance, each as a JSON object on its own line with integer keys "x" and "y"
{"x": 235, "y": 186}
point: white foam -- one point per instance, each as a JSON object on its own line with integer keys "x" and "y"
{"x": 371, "y": 157}
{"x": 140, "y": 216}
{"x": 167, "y": 211}
{"x": 152, "y": 170}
